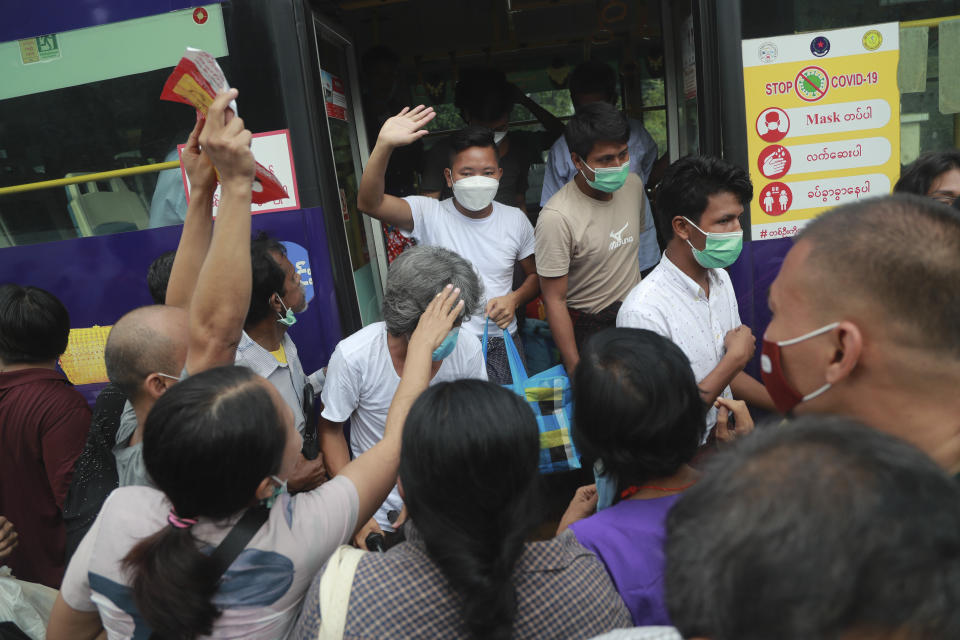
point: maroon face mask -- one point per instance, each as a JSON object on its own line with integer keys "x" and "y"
{"x": 784, "y": 396}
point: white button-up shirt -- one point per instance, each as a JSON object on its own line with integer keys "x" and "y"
{"x": 670, "y": 303}
{"x": 288, "y": 378}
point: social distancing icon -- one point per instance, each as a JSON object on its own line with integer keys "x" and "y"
{"x": 776, "y": 198}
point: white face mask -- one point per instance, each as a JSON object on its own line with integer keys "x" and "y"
{"x": 498, "y": 136}
{"x": 476, "y": 192}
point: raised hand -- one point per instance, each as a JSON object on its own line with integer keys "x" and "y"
{"x": 227, "y": 142}
{"x": 196, "y": 163}
{"x": 406, "y": 127}
{"x": 437, "y": 320}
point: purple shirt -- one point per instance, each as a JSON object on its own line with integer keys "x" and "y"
{"x": 628, "y": 537}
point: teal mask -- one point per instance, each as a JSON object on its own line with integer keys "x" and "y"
{"x": 289, "y": 319}
{"x": 721, "y": 249}
{"x": 446, "y": 347}
{"x": 278, "y": 490}
{"x": 607, "y": 179}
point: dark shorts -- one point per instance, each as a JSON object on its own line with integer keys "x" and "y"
{"x": 586, "y": 324}
{"x": 498, "y": 368}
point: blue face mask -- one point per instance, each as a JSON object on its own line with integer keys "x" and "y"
{"x": 606, "y": 486}
{"x": 289, "y": 319}
{"x": 278, "y": 490}
{"x": 446, "y": 347}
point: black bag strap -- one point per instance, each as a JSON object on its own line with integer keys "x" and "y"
{"x": 239, "y": 537}
{"x": 236, "y": 541}
{"x": 311, "y": 439}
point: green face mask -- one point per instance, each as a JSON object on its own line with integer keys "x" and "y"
{"x": 607, "y": 179}
{"x": 721, "y": 249}
{"x": 289, "y": 319}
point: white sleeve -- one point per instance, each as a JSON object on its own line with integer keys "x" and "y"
{"x": 474, "y": 365}
{"x": 643, "y": 317}
{"x": 421, "y": 208}
{"x": 75, "y": 587}
{"x": 325, "y": 518}
{"x": 341, "y": 390}
{"x": 526, "y": 244}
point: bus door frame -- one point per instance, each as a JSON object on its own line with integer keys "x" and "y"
{"x": 321, "y": 26}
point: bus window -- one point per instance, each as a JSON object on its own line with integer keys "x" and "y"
{"x": 87, "y": 101}
{"x": 925, "y": 26}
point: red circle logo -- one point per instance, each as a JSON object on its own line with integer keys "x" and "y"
{"x": 200, "y": 15}
{"x": 774, "y": 161}
{"x": 811, "y": 83}
{"x": 775, "y": 199}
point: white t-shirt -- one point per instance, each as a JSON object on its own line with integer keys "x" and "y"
{"x": 670, "y": 303}
{"x": 493, "y": 244}
{"x": 262, "y": 591}
{"x": 361, "y": 381}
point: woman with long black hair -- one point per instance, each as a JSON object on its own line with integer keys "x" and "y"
{"x": 468, "y": 474}
{"x": 217, "y": 445}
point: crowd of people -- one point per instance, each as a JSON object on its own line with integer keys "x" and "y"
{"x": 191, "y": 501}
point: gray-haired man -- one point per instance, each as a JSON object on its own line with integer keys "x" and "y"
{"x": 365, "y": 368}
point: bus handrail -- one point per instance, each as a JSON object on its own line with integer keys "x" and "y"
{"x": 90, "y": 177}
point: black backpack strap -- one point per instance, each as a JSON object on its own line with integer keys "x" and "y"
{"x": 239, "y": 537}
{"x": 236, "y": 541}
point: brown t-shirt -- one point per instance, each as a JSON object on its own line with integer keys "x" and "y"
{"x": 593, "y": 243}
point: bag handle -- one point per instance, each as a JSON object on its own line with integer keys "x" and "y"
{"x": 336, "y": 583}
{"x": 517, "y": 371}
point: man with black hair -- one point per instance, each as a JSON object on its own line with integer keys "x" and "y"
{"x": 596, "y": 81}
{"x": 865, "y": 324}
{"x": 493, "y": 236}
{"x": 825, "y": 529}
{"x": 485, "y": 99}
{"x": 689, "y": 297}
{"x": 935, "y": 174}
{"x": 43, "y": 427}
{"x": 265, "y": 345}
{"x": 158, "y": 276}
{"x": 588, "y": 234}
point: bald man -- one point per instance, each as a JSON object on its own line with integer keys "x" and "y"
{"x": 866, "y": 322}
{"x": 145, "y": 353}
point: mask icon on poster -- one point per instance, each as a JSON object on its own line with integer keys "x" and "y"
{"x": 773, "y": 124}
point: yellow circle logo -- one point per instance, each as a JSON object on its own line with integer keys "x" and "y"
{"x": 872, "y": 40}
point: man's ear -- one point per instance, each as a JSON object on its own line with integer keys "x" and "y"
{"x": 155, "y": 385}
{"x": 847, "y": 348}
{"x": 575, "y": 159}
{"x": 275, "y": 303}
{"x": 448, "y": 176}
{"x": 681, "y": 228}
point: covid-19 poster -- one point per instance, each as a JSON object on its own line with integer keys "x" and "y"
{"x": 823, "y": 122}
